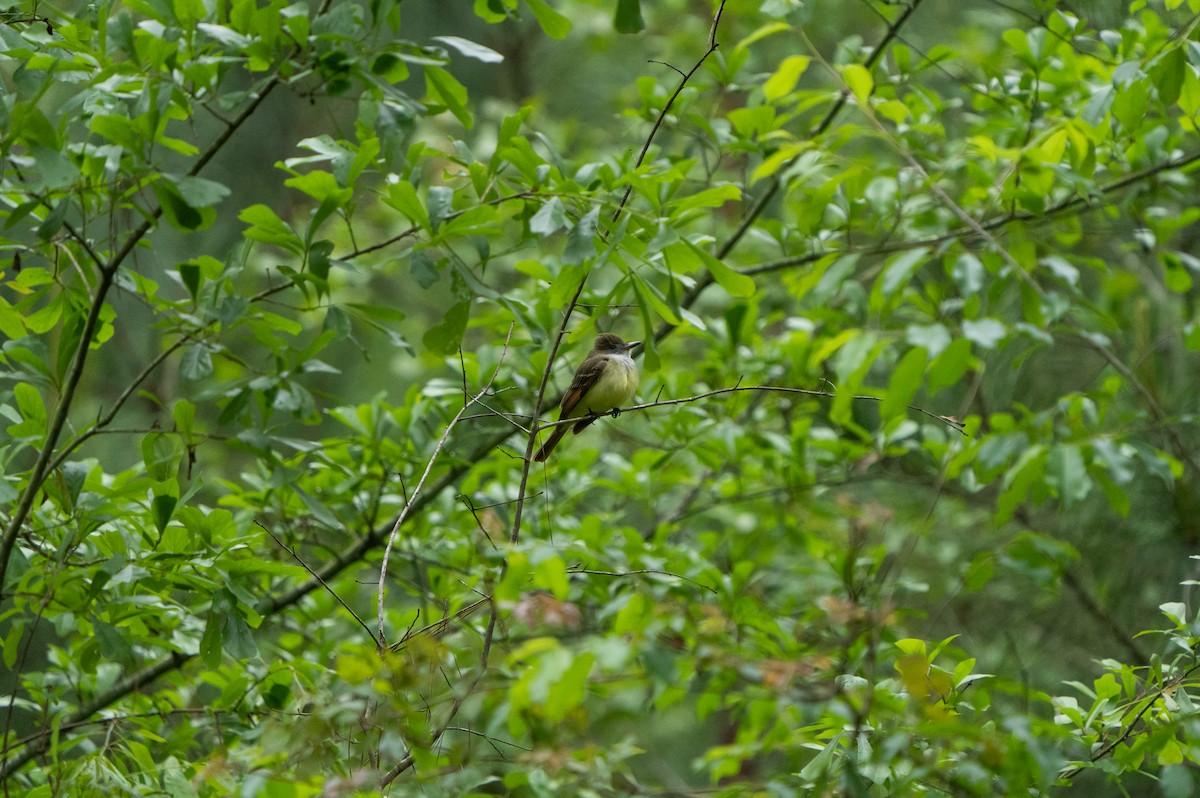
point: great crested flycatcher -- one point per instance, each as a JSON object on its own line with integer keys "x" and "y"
{"x": 605, "y": 381}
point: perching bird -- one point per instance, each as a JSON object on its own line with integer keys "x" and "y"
{"x": 606, "y": 380}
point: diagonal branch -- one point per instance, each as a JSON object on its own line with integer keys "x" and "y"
{"x": 712, "y": 48}
{"x": 381, "y": 640}
{"x": 351, "y": 556}
{"x": 108, "y": 273}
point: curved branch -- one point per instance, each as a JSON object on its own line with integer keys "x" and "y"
{"x": 381, "y": 640}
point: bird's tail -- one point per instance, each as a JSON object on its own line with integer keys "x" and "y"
{"x": 551, "y": 442}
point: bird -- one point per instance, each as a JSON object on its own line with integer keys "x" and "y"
{"x": 606, "y": 379}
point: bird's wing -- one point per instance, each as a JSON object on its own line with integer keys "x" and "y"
{"x": 584, "y": 379}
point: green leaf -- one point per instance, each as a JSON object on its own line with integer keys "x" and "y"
{"x": 753, "y": 122}
{"x": 445, "y": 90}
{"x": 54, "y": 220}
{"x": 1189, "y": 94}
{"x": 1176, "y": 611}
{"x": 424, "y": 270}
{"x": 738, "y": 285}
{"x": 551, "y": 574}
{"x": 570, "y": 689}
{"x": 184, "y": 414}
{"x": 445, "y": 337}
{"x": 858, "y": 80}
{"x": 898, "y": 272}
{"x": 267, "y": 227}
{"x": 70, "y": 338}
{"x": 1118, "y": 498}
{"x": 74, "y": 475}
{"x": 1175, "y": 780}
{"x": 708, "y": 198}
{"x": 1167, "y": 72}
{"x": 319, "y": 510}
{"x": 113, "y": 645}
{"x": 820, "y": 765}
{"x": 553, "y": 24}
{"x": 198, "y": 192}
{"x": 471, "y": 49}
{"x": 176, "y": 210}
{"x": 33, "y": 409}
{"x": 337, "y": 321}
{"x": 493, "y": 11}
{"x": 987, "y": 333}
{"x": 581, "y": 239}
{"x": 12, "y": 323}
{"x": 934, "y": 338}
{"x": 784, "y": 79}
{"x": 628, "y": 18}
{"x": 225, "y": 35}
{"x": 1130, "y": 105}
{"x": 321, "y": 186}
{"x": 12, "y": 644}
{"x": 162, "y": 507}
{"x": 903, "y": 385}
{"x": 513, "y": 583}
{"x": 647, "y": 294}
{"x": 390, "y": 67}
{"x": 190, "y": 274}
{"x": 239, "y": 639}
{"x": 196, "y": 363}
{"x": 968, "y": 273}
{"x": 211, "y": 641}
{"x": 48, "y": 316}
{"x": 318, "y": 259}
{"x": 549, "y": 219}
{"x": 1019, "y": 480}
{"x": 851, "y": 365}
{"x": 56, "y": 169}
{"x": 1068, "y": 474}
{"x": 440, "y": 202}
{"x": 402, "y": 196}
{"x": 950, "y": 366}
{"x": 161, "y": 454}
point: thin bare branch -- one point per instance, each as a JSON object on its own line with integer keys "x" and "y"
{"x": 317, "y": 577}
{"x": 381, "y": 640}
{"x": 662, "y": 115}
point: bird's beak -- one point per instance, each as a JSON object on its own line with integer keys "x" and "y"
{"x": 629, "y": 346}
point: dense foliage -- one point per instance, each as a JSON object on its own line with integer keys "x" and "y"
{"x": 285, "y": 285}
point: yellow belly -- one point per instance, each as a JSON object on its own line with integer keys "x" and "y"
{"x": 614, "y": 389}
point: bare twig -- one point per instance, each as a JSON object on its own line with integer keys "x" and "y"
{"x": 947, "y": 420}
{"x": 317, "y": 576}
{"x": 531, "y": 440}
{"x": 407, "y": 762}
{"x": 108, "y": 273}
{"x": 106, "y": 419}
{"x": 643, "y": 572}
{"x": 712, "y": 48}
{"x": 775, "y": 182}
{"x": 441, "y": 626}
{"x": 381, "y": 640}
{"x": 1147, "y": 701}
